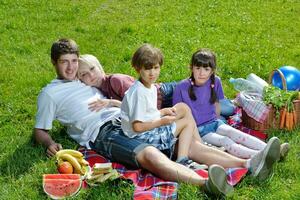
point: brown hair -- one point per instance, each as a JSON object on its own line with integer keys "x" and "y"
{"x": 63, "y": 46}
{"x": 147, "y": 56}
{"x": 204, "y": 58}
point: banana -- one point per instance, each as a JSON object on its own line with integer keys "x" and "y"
{"x": 74, "y": 162}
{"x": 82, "y": 161}
{"x": 72, "y": 152}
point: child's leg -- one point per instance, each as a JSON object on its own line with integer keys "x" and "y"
{"x": 184, "y": 112}
{"x": 241, "y": 137}
{"x": 230, "y": 146}
{"x": 185, "y": 129}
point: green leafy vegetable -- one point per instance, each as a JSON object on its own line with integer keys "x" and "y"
{"x": 279, "y": 98}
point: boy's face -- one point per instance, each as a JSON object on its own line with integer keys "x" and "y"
{"x": 66, "y": 66}
{"x": 201, "y": 74}
{"x": 149, "y": 75}
{"x": 90, "y": 75}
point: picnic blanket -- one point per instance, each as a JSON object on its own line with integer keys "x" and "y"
{"x": 148, "y": 186}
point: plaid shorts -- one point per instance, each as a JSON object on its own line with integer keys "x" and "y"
{"x": 161, "y": 137}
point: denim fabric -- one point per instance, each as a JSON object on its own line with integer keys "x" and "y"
{"x": 227, "y": 108}
{"x": 167, "y": 93}
{"x": 114, "y": 145}
{"x": 210, "y": 127}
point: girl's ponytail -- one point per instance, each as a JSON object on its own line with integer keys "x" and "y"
{"x": 191, "y": 88}
{"x": 213, "y": 96}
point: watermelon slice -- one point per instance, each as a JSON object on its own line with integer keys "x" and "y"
{"x": 59, "y": 186}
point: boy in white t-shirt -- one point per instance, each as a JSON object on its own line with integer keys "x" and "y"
{"x": 142, "y": 120}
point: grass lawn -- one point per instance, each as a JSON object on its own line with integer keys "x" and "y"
{"x": 247, "y": 36}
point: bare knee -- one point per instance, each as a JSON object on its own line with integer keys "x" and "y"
{"x": 149, "y": 156}
{"x": 182, "y": 107}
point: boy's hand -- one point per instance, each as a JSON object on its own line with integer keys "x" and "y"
{"x": 52, "y": 149}
{"x": 169, "y": 111}
{"x": 167, "y": 120}
{"x": 99, "y": 104}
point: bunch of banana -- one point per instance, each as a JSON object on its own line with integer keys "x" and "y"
{"x": 75, "y": 158}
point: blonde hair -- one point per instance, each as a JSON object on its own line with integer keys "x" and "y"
{"x": 91, "y": 61}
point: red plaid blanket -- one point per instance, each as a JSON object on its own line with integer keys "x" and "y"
{"x": 147, "y": 186}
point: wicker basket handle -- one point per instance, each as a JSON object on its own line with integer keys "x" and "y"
{"x": 283, "y": 80}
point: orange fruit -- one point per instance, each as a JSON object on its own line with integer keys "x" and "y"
{"x": 65, "y": 168}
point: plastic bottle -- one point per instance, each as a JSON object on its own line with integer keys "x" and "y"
{"x": 259, "y": 82}
{"x": 241, "y": 84}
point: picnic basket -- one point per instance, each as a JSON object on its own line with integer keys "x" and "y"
{"x": 271, "y": 120}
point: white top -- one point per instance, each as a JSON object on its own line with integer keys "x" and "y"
{"x": 67, "y": 102}
{"x": 139, "y": 104}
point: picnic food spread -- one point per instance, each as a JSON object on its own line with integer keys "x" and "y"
{"x": 73, "y": 170}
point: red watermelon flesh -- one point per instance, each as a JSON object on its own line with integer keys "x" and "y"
{"x": 59, "y": 186}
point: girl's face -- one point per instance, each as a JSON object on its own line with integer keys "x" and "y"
{"x": 201, "y": 74}
{"x": 90, "y": 75}
{"x": 149, "y": 76}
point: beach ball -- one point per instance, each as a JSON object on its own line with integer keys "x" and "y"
{"x": 291, "y": 75}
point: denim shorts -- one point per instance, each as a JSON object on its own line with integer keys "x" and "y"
{"x": 161, "y": 137}
{"x": 115, "y": 146}
{"x": 210, "y": 127}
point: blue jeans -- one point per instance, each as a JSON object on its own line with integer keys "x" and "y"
{"x": 166, "y": 90}
{"x": 227, "y": 108}
{"x": 115, "y": 146}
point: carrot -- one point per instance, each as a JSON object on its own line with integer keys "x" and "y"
{"x": 287, "y": 121}
{"x": 291, "y": 121}
{"x": 295, "y": 116}
{"x": 282, "y": 117}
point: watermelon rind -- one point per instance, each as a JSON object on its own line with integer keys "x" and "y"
{"x": 63, "y": 186}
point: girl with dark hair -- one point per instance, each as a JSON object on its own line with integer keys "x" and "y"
{"x": 202, "y": 93}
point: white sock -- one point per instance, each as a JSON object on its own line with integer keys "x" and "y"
{"x": 248, "y": 163}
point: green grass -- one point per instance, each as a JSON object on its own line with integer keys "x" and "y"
{"x": 247, "y": 36}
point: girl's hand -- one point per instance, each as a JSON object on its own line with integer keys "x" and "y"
{"x": 99, "y": 104}
{"x": 167, "y": 120}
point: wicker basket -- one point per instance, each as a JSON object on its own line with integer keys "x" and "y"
{"x": 271, "y": 120}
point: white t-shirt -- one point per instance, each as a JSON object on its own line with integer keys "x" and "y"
{"x": 139, "y": 104}
{"x": 67, "y": 102}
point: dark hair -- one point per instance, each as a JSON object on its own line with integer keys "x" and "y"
{"x": 63, "y": 46}
{"x": 204, "y": 58}
{"x": 147, "y": 56}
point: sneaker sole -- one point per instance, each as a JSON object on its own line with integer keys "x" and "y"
{"x": 218, "y": 180}
{"x": 270, "y": 156}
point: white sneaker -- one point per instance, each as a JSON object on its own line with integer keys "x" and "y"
{"x": 217, "y": 181}
{"x": 284, "y": 150}
{"x": 261, "y": 164}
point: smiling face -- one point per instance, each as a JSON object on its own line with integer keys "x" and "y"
{"x": 90, "y": 75}
{"x": 66, "y": 66}
{"x": 201, "y": 74}
{"x": 149, "y": 75}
